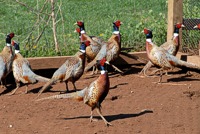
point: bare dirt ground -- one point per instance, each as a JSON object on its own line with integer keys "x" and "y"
{"x": 134, "y": 105}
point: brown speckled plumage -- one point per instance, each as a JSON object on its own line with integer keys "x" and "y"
{"x": 95, "y": 43}
{"x": 110, "y": 49}
{"x": 93, "y": 95}
{"x": 71, "y": 70}
{"x": 6, "y": 59}
{"x": 172, "y": 46}
{"x": 162, "y": 58}
{"x": 22, "y": 72}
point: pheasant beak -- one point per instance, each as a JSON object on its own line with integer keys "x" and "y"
{"x": 182, "y": 25}
{"x": 107, "y": 62}
{"x": 76, "y": 23}
{"x": 195, "y": 26}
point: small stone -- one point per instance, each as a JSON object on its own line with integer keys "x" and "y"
{"x": 10, "y": 126}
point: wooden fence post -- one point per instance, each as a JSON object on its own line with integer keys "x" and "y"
{"x": 175, "y": 14}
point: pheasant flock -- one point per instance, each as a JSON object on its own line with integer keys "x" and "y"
{"x": 99, "y": 54}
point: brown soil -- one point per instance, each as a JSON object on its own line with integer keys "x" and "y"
{"x": 134, "y": 105}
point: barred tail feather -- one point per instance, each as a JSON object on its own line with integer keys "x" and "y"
{"x": 41, "y": 79}
{"x": 89, "y": 65}
{"x": 48, "y": 84}
{"x": 76, "y": 95}
{"x": 181, "y": 63}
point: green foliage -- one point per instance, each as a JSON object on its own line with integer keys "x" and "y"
{"x": 98, "y": 16}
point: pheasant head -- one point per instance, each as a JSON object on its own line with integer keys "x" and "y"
{"x": 116, "y": 26}
{"x": 102, "y": 64}
{"x": 81, "y": 26}
{"x": 9, "y": 37}
{"x": 197, "y": 26}
{"x": 78, "y": 30}
{"x": 177, "y": 26}
{"x": 16, "y": 46}
{"x": 148, "y": 33}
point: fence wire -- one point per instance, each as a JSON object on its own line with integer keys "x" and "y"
{"x": 191, "y": 36}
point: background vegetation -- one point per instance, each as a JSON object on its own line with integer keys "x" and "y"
{"x": 98, "y": 16}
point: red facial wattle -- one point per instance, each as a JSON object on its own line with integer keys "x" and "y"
{"x": 102, "y": 62}
{"x": 146, "y": 31}
{"x": 11, "y": 35}
{"x": 118, "y": 23}
{"x": 79, "y": 23}
{"x": 179, "y": 25}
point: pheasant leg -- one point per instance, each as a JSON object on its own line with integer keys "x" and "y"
{"x": 13, "y": 92}
{"x": 26, "y": 91}
{"x": 105, "y": 121}
{"x": 74, "y": 85}
{"x": 91, "y": 117}
{"x": 3, "y": 83}
{"x": 67, "y": 89}
{"x": 116, "y": 68}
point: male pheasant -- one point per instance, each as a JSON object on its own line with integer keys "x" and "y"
{"x": 94, "y": 94}
{"x": 22, "y": 71}
{"x": 110, "y": 49}
{"x": 172, "y": 46}
{"x": 95, "y": 43}
{"x": 162, "y": 58}
{"x": 71, "y": 70}
{"x": 6, "y": 59}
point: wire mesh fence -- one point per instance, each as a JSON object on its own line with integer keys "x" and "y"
{"x": 191, "y": 36}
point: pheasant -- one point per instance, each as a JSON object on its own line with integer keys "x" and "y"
{"x": 110, "y": 49}
{"x": 197, "y": 26}
{"x": 71, "y": 70}
{"x": 95, "y": 43}
{"x": 22, "y": 71}
{"x": 172, "y": 46}
{"x": 6, "y": 59}
{"x": 94, "y": 94}
{"x": 162, "y": 58}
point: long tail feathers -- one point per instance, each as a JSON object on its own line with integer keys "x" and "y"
{"x": 76, "y": 95}
{"x": 89, "y": 65}
{"x": 190, "y": 66}
{"x": 41, "y": 79}
{"x": 48, "y": 84}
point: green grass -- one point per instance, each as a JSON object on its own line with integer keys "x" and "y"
{"x": 98, "y": 16}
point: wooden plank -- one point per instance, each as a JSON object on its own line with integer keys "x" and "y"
{"x": 47, "y": 62}
{"x": 38, "y": 63}
{"x": 55, "y": 62}
{"x": 175, "y": 14}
